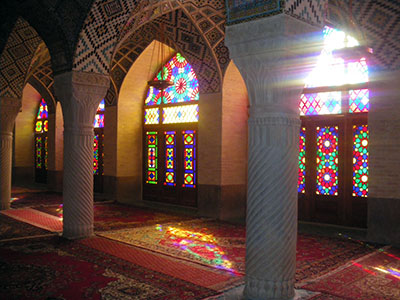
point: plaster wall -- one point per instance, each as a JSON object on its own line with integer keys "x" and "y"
{"x": 384, "y": 187}
{"x": 24, "y": 135}
{"x": 128, "y": 171}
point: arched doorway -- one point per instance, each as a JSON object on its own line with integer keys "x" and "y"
{"x": 170, "y": 135}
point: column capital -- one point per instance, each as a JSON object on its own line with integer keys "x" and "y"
{"x": 80, "y": 94}
{"x": 9, "y": 109}
{"x": 274, "y": 56}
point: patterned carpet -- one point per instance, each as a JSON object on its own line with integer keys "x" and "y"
{"x": 376, "y": 276}
{"x": 55, "y": 268}
{"x": 36, "y": 218}
{"x": 222, "y": 246}
{"x": 115, "y": 216}
{"x": 12, "y": 229}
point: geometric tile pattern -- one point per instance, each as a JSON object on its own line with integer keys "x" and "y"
{"x": 238, "y": 11}
{"x": 105, "y": 28}
{"x": 181, "y": 35}
{"x": 16, "y": 57}
{"x": 380, "y": 23}
{"x": 311, "y": 11}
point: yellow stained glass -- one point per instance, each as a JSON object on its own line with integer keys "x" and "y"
{"x": 181, "y": 114}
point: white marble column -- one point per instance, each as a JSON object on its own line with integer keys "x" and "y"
{"x": 80, "y": 94}
{"x": 9, "y": 108}
{"x": 272, "y": 54}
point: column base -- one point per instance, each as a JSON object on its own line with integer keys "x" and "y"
{"x": 268, "y": 290}
{"x": 77, "y": 231}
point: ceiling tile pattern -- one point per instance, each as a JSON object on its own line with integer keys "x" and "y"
{"x": 16, "y": 58}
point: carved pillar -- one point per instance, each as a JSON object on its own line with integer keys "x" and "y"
{"x": 272, "y": 55}
{"x": 9, "y": 108}
{"x": 80, "y": 94}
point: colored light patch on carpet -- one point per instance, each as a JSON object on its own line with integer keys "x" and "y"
{"x": 213, "y": 244}
{"x": 36, "y": 218}
{"x": 376, "y": 276}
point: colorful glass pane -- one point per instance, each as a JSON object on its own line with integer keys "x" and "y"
{"x": 38, "y": 147}
{"x": 360, "y": 160}
{"x": 321, "y": 103}
{"x": 102, "y": 106}
{"x": 96, "y": 154}
{"x": 39, "y": 126}
{"x": 189, "y": 158}
{"x": 301, "y": 182}
{"x": 185, "y": 88}
{"x": 327, "y": 160}
{"x": 357, "y": 72}
{"x": 181, "y": 114}
{"x": 358, "y": 101}
{"x": 42, "y": 112}
{"x": 46, "y": 152}
{"x": 151, "y": 116}
{"x": 335, "y": 71}
{"x": 99, "y": 121}
{"x": 152, "y": 157}
{"x": 170, "y": 150}
{"x": 45, "y": 125}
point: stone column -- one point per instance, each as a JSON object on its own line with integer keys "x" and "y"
{"x": 272, "y": 54}
{"x": 9, "y": 108}
{"x": 80, "y": 94}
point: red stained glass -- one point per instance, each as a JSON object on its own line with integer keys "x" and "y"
{"x": 360, "y": 160}
{"x": 327, "y": 160}
{"x": 301, "y": 182}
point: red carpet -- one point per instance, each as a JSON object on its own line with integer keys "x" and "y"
{"x": 116, "y": 216}
{"x": 13, "y": 229}
{"x": 194, "y": 273}
{"x": 222, "y": 246}
{"x": 59, "y": 269}
{"x": 376, "y": 276}
{"x": 36, "y": 218}
{"x": 35, "y": 198}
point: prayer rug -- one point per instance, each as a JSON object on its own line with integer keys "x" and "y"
{"x": 36, "y": 218}
{"x": 59, "y": 269}
{"x": 115, "y": 216}
{"x": 376, "y": 276}
{"x": 222, "y": 246}
{"x": 33, "y": 199}
{"x": 37, "y": 198}
{"x": 13, "y": 229}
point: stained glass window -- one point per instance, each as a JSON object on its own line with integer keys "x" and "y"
{"x": 99, "y": 118}
{"x": 151, "y": 116}
{"x": 41, "y": 141}
{"x": 170, "y": 158}
{"x": 185, "y": 88}
{"x": 327, "y": 160}
{"x": 152, "y": 157}
{"x": 189, "y": 158}
{"x": 301, "y": 183}
{"x": 181, "y": 114}
{"x": 360, "y": 160}
{"x": 96, "y": 154}
{"x": 335, "y": 71}
{"x": 42, "y": 112}
{"x": 38, "y": 146}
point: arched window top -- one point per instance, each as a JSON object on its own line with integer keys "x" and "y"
{"x": 41, "y": 123}
{"x": 185, "y": 88}
{"x": 320, "y": 96}
{"x": 42, "y": 111}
